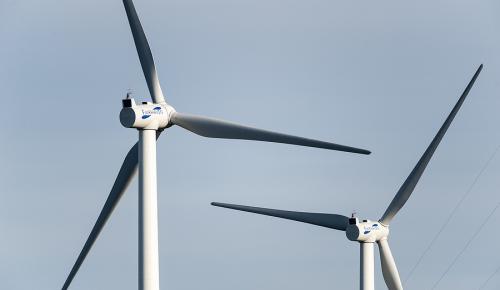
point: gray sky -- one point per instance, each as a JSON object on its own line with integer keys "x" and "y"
{"x": 381, "y": 75}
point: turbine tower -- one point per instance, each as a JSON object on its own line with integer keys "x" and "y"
{"x": 150, "y": 119}
{"x": 368, "y": 232}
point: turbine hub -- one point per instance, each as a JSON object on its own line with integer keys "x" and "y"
{"x": 366, "y": 231}
{"x": 146, "y": 116}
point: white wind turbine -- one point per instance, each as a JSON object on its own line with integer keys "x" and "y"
{"x": 368, "y": 232}
{"x": 151, "y": 119}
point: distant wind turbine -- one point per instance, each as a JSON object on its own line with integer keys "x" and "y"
{"x": 151, "y": 118}
{"x": 368, "y": 232}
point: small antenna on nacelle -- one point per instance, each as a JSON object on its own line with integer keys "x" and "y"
{"x": 128, "y": 102}
{"x": 129, "y": 94}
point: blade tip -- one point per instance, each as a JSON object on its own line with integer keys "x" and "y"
{"x": 363, "y": 151}
{"x": 480, "y": 68}
{"x": 355, "y": 150}
{"x": 224, "y": 205}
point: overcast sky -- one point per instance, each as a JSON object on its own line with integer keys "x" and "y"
{"x": 380, "y": 75}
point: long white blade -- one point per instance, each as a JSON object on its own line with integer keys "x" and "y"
{"x": 332, "y": 221}
{"x": 389, "y": 269}
{"x": 411, "y": 181}
{"x": 127, "y": 171}
{"x": 214, "y": 128}
{"x": 144, "y": 52}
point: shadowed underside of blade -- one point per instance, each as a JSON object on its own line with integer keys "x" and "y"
{"x": 214, "y": 128}
{"x": 332, "y": 221}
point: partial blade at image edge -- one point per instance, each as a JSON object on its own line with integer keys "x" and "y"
{"x": 411, "y": 181}
{"x": 214, "y": 128}
{"x": 332, "y": 221}
{"x": 389, "y": 269}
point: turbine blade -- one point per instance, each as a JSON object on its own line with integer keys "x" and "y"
{"x": 389, "y": 269}
{"x": 127, "y": 171}
{"x": 332, "y": 221}
{"x": 214, "y": 128}
{"x": 411, "y": 181}
{"x": 144, "y": 52}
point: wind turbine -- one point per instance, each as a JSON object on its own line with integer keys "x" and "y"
{"x": 150, "y": 119}
{"x": 368, "y": 232}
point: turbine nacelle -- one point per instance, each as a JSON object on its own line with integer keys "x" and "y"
{"x": 146, "y": 115}
{"x": 366, "y": 231}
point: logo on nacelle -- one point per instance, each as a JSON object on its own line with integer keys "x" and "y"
{"x": 373, "y": 227}
{"x": 155, "y": 111}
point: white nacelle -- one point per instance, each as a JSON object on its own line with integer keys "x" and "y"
{"x": 366, "y": 231}
{"x": 145, "y": 116}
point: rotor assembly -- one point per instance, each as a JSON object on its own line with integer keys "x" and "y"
{"x": 368, "y": 232}
{"x": 150, "y": 119}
